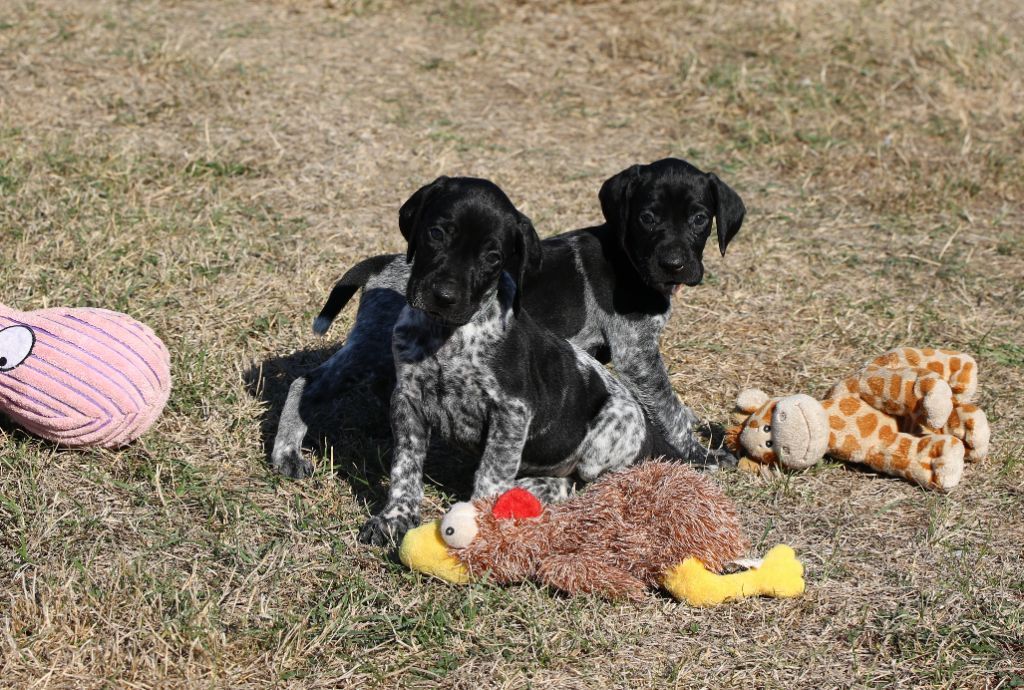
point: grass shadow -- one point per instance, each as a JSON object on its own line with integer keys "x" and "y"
{"x": 351, "y": 433}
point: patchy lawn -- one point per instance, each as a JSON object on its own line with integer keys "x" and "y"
{"x": 211, "y": 168}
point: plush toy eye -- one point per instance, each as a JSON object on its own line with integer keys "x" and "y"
{"x": 767, "y": 428}
{"x": 16, "y": 345}
{"x": 436, "y": 233}
{"x": 767, "y": 444}
{"x": 458, "y": 526}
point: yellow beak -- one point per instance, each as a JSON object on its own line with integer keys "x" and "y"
{"x": 424, "y": 550}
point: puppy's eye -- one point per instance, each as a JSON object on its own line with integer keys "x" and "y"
{"x": 700, "y": 220}
{"x": 436, "y": 233}
{"x": 493, "y": 258}
{"x": 647, "y": 218}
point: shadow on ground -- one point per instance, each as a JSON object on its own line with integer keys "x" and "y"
{"x": 351, "y": 433}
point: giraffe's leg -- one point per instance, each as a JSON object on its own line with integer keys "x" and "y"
{"x": 963, "y": 378}
{"x": 902, "y": 391}
{"x": 860, "y": 433}
{"x": 959, "y": 369}
{"x": 935, "y": 461}
{"x": 969, "y": 424}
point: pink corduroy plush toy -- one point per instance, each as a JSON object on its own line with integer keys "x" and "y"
{"x": 81, "y": 377}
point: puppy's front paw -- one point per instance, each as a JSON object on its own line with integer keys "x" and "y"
{"x": 715, "y": 460}
{"x": 382, "y": 531}
{"x": 725, "y": 459}
{"x": 288, "y": 460}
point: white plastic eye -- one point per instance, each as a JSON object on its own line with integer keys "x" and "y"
{"x": 458, "y": 526}
{"x": 16, "y": 345}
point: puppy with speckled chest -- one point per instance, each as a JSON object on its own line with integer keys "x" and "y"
{"x": 473, "y": 367}
{"x": 608, "y": 289}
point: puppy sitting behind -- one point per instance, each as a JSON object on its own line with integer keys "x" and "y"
{"x": 473, "y": 366}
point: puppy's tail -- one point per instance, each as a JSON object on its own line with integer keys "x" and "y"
{"x": 347, "y": 285}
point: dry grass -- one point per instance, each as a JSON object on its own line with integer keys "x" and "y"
{"x": 212, "y": 167}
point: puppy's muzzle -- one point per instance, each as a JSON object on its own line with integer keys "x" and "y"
{"x": 444, "y": 295}
{"x": 442, "y": 300}
{"x": 679, "y": 269}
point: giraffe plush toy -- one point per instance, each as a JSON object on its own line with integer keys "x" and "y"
{"x": 907, "y": 413}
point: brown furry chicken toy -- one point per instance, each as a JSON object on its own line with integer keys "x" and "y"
{"x": 654, "y": 524}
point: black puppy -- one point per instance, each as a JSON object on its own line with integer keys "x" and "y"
{"x": 473, "y": 367}
{"x": 607, "y": 289}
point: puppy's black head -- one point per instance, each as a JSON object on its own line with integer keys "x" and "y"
{"x": 462, "y": 233}
{"x": 662, "y": 215}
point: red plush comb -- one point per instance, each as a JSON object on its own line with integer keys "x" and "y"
{"x": 516, "y": 503}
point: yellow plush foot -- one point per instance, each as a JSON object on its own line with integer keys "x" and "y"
{"x": 779, "y": 575}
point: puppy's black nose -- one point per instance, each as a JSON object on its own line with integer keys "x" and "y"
{"x": 672, "y": 263}
{"x": 444, "y": 295}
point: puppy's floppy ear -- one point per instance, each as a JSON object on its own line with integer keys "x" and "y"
{"x": 729, "y": 211}
{"x": 410, "y": 212}
{"x": 615, "y": 195}
{"x": 527, "y": 257}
